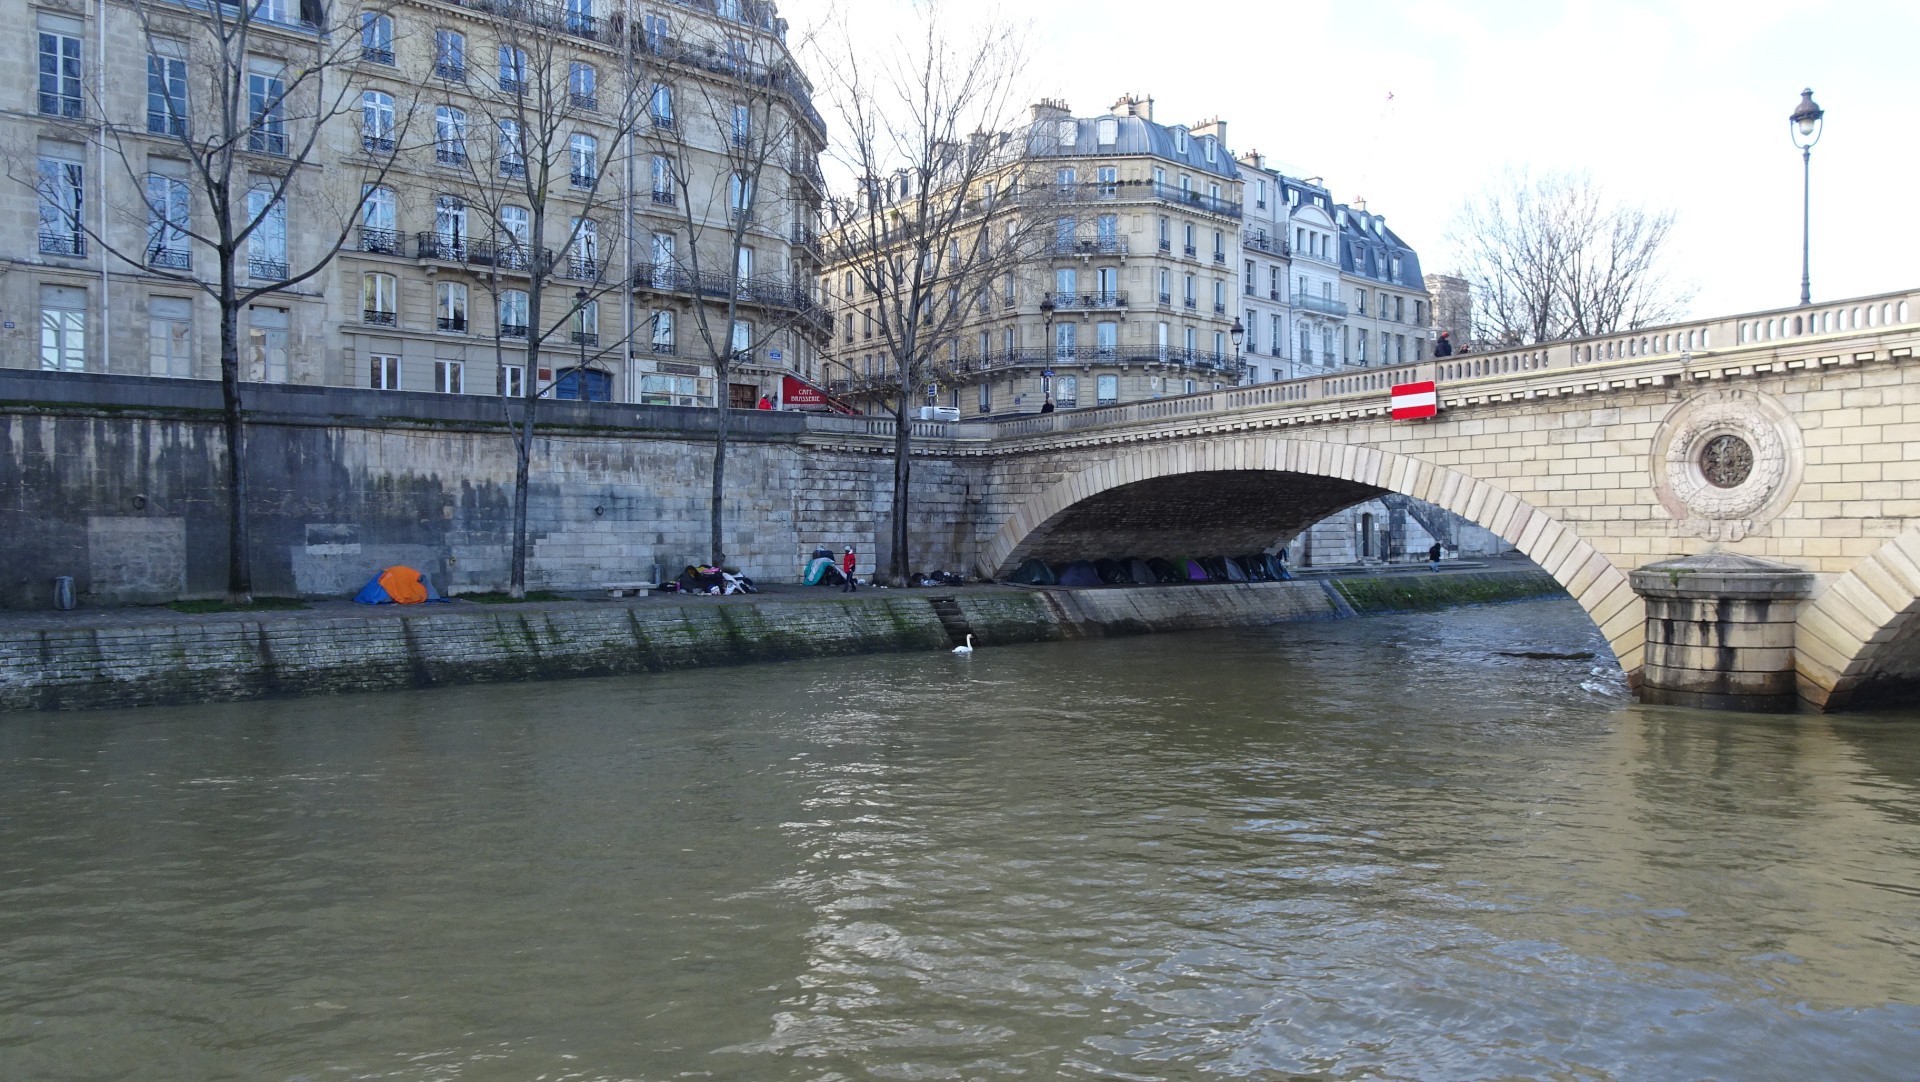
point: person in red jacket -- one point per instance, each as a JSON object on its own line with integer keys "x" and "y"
{"x": 765, "y": 403}
{"x": 847, "y": 563}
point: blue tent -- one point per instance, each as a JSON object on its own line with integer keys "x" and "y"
{"x": 398, "y": 585}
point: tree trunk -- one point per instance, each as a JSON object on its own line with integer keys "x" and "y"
{"x": 722, "y": 384}
{"x": 239, "y": 551}
{"x": 902, "y": 476}
{"x": 523, "y": 448}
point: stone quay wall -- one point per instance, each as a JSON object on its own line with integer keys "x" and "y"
{"x": 117, "y": 481}
{"x": 76, "y": 661}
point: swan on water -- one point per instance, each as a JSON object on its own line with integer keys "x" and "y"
{"x": 966, "y": 649}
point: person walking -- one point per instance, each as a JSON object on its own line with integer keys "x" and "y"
{"x": 1047, "y": 406}
{"x": 1433, "y": 556}
{"x": 765, "y": 403}
{"x": 848, "y": 562}
{"x": 1444, "y": 347}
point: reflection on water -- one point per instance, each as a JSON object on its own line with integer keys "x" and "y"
{"x": 1370, "y": 849}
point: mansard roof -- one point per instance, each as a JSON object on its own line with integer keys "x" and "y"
{"x": 1131, "y": 135}
{"x": 1367, "y": 248}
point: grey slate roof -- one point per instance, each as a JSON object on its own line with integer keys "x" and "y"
{"x": 1132, "y": 135}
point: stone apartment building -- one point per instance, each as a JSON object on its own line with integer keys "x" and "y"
{"x": 412, "y": 172}
{"x": 1130, "y": 291}
{"x": 1387, "y": 300}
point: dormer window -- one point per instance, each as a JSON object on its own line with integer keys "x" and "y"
{"x": 1107, "y": 131}
{"x": 1179, "y": 140}
{"x": 1208, "y": 146}
{"x": 1069, "y": 132}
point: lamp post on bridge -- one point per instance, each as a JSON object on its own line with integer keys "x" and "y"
{"x": 1047, "y": 349}
{"x": 1238, "y": 334}
{"x": 1805, "y": 126}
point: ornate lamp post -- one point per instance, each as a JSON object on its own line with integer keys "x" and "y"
{"x": 1805, "y": 126}
{"x": 1239, "y": 334}
{"x": 1048, "y": 351}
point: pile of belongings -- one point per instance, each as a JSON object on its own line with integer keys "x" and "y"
{"x": 704, "y": 579}
{"x": 940, "y": 578}
{"x": 398, "y": 585}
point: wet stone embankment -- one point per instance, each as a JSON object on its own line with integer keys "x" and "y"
{"x": 139, "y": 657}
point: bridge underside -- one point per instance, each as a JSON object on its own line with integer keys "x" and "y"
{"x": 1226, "y": 512}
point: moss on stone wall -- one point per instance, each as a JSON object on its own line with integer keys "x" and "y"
{"x": 1413, "y": 592}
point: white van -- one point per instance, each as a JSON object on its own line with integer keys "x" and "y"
{"x": 939, "y": 413}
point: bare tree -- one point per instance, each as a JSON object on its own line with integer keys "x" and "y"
{"x": 732, "y": 151}
{"x": 536, "y": 156}
{"x": 243, "y": 99}
{"x": 1552, "y": 257}
{"x": 945, "y": 202}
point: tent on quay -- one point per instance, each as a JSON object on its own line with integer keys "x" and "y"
{"x": 1112, "y": 571}
{"x": 1195, "y": 573}
{"x": 1235, "y": 573}
{"x": 1166, "y": 570}
{"x": 398, "y": 585}
{"x": 1079, "y": 573}
{"x": 1035, "y": 572}
{"x": 1141, "y": 572}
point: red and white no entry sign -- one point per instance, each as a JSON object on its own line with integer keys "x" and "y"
{"x": 1412, "y": 401}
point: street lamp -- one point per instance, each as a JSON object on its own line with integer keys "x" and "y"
{"x": 580, "y": 336}
{"x": 1048, "y": 350}
{"x": 1805, "y": 126}
{"x": 1238, "y": 333}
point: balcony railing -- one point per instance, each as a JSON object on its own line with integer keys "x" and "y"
{"x": 61, "y": 105}
{"x": 583, "y": 180}
{"x": 446, "y": 155}
{"x": 1323, "y": 305}
{"x": 440, "y": 246}
{"x": 451, "y": 323}
{"x": 63, "y": 243}
{"x": 266, "y": 270}
{"x": 377, "y": 317}
{"x": 1197, "y": 359}
{"x": 376, "y": 144}
{"x": 178, "y": 259}
{"x": 1190, "y": 251}
{"x": 588, "y": 102}
{"x": 1091, "y": 246}
{"x": 586, "y": 338}
{"x": 760, "y": 291}
{"x": 714, "y": 57}
{"x": 513, "y": 168}
{"x": 585, "y": 270}
{"x": 1109, "y": 299}
{"x": 374, "y": 54}
{"x": 267, "y": 142}
{"x": 1261, "y": 241}
{"x": 508, "y": 256}
{"x": 513, "y": 330}
{"x": 451, "y": 72}
{"x": 1186, "y": 197}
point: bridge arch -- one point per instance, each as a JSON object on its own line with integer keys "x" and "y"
{"x": 1863, "y": 629}
{"x": 1319, "y": 479}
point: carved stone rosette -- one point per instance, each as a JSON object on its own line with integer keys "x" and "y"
{"x": 1725, "y": 462}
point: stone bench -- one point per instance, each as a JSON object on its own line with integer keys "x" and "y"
{"x": 637, "y": 589}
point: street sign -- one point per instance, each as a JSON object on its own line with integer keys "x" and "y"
{"x": 773, "y": 355}
{"x": 1412, "y": 401}
{"x": 1046, "y": 373}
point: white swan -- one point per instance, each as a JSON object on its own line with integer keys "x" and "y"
{"x": 967, "y": 649}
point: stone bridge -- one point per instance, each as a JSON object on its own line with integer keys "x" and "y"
{"x": 1780, "y": 451}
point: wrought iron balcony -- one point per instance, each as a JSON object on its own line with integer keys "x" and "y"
{"x": 583, "y": 180}
{"x": 589, "y": 102}
{"x": 439, "y": 246}
{"x": 373, "y": 54}
{"x": 1166, "y": 246}
{"x": 451, "y": 72}
{"x": 1219, "y": 257}
{"x": 585, "y": 270}
{"x": 446, "y": 155}
{"x": 63, "y": 243}
{"x": 178, "y": 259}
{"x": 1187, "y": 197}
{"x": 1065, "y": 301}
{"x": 586, "y": 338}
{"x": 1219, "y": 308}
{"x": 1166, "y": 299}
{"x": 513, "y": 168}
{"x": 1189, "y": 302}
{"x": 513, "y": 330}
{"x": 267, "y": 142}
{"x": 1261, "y": 241}
{"x": 664, "y": 122}
{"x": 267, "y": 270}
{"x": 376, "y": 144}
{"x": 377, "y": 317}
{"x": 664, "y": 199}
{"x": 452, "y": 323}
{"x": 1191, "y": 251}
{"x": 1090, "y": 246}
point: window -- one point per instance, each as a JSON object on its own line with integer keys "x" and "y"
{"x": 266, "y": 109}
{"x": 167, "y": 210}
{"x": 1166, "y": 286}
{"x": 1219, "y": 247}
{"x": 1107, "y": 230}
{"x": 743, "y": 263}
{"x": 1107, "y": 131}
{"x": 450, "y": 377}
{"x": 1166, "y": 233}
{"x": 1260, "y": 194}
{"x": 1069, "y": 133}
{"x": 63, "y": 329}
{"x": 1400, "y": 310}
{"x": 449, "y": 227}
{"x": 1106, "y": 281}
{"x": 1209, "y": 148}
{"x": 1106, "y": 339}
{"x": 516, "y": 226}
{"x": 1275, "y": 336}
{"x": 1066, "y": 177}
{"x": 583, "y": 86}
{"x": 513, "y": 69}
{"x": 1187, "y": 233}
{"x": 450, "y": 305}
{"x": 1179, "y": 140}
{"x": 1108, "y": 178}
{"x": 1213, "y": 192}
{"x": 513, "y": 314}
{"x": 1008, "y": 292}
{"x": 849, "y": 326}
{"x": 580, "y": 17}
{"x": 1066, "y": 391}
{"x": 60, "y": 66}
{"x": 584, "y": 151}
{"x": 1326, "y": 346}
{"x": 376, "y": 121}
{"x": 1360, "y": 346}
{"x": 663, "y": 261}
{"x": 383, "y": 372}
{"x": 1360, "y": 302}
{"x": 1219, "y": 345}
{"x": 663, "y": 180}
{"x": 267, "y": 245}
{"x": 379, "y": 295}
{"x": 1253, "y": 331}
{"x": 740, "y": 194}
{"x": 513, "y": 155}
{"x": 585, "y": 249}
{"x": 166, "y": 95}
{"x": 657, "y": 30}
{"x": 1187, "y": 294}
{"x": 742, "y": 340}
{"x": 376, "y": 38}
{"x": 661, "y": 106}
{"x": 986, "y": 398}
{"x": 450, "y": 55}
{"x": 1066, "y": 340}
{"x": 1383, "y": 306}
{"x": 1066, "y": 285}
{"x": 266, "y": 349}
{"x": 62, "y": 185}
{"x": 1106, "y": 390}
{"x": 513, "y": 381}
{"x": 379, "y": 223}
{"x": 586, "y": 324}
{"x": 742, "y": 125}
{"x": 1192, "y": 342}
{"x": 449, "y": 135}
{"x": 662, "y": 331}
{"x": 170, "y": 336}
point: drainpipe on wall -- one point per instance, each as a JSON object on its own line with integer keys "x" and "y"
{"x": 100, "y": 155}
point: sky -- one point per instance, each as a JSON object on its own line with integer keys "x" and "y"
{"x": 1418, "y": 106}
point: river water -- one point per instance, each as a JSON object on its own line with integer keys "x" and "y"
{"x": 1375, "y": 849}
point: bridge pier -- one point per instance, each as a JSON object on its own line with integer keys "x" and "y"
{"x": 1720, "y": 632}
